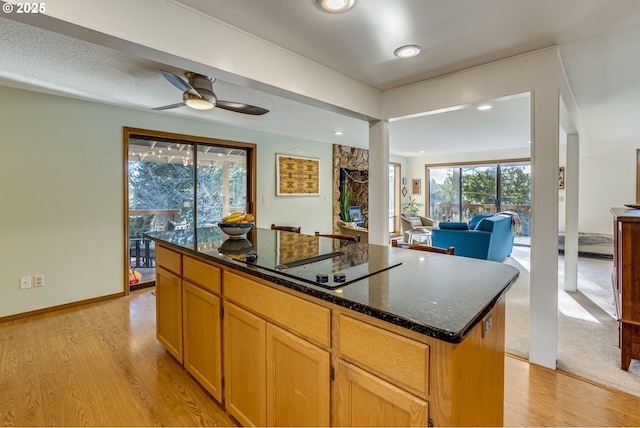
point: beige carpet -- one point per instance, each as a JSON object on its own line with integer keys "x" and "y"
{"x": 587, "y": 329}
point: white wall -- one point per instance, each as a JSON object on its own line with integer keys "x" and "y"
{"x": 61, "y": 187}
{"x": 311, "y": 213}
{"x": 607, "y": 179}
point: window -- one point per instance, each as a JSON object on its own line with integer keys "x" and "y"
{"x": 457, "y": 192}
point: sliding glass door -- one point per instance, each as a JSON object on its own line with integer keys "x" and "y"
{"x": 179, "y": 182}
{"x": 458, "y": 192}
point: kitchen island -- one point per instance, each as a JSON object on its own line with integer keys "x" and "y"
{"x": 290, "y": 329}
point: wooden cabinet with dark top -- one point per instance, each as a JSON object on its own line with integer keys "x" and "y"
{"x": 626, "y": 281}
{"x": 286, "y": 353}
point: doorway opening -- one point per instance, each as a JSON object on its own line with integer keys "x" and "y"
{"x": 179, "y": 182}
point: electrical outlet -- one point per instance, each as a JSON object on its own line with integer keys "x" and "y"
{"x": 25, "y": 282}
{"x": 38, "y": 281}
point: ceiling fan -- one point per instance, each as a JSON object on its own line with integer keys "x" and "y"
{"x": 198, "y": 94}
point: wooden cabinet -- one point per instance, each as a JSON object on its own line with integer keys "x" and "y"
{"x": 275, "y": 349}
{"x": 201, "y": 323}
{"x": 244, "y": 366}
{"x": 363, "y": 399}
{"x": 202, "y": 341}
{"x": 188, "y": 316}
{"x": 401, "y": 360}
{"x": 626, "y": 281}
{"x": 298, "y": 383}
{"x": 274, "y": 377}
{"x": 169, "y": 311}
{"x": 169, "y": 260}
{"x": 382, "y": 378}
{"x": 418, "y": 381}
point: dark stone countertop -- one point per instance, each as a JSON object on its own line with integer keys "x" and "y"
{"x": 437, "y": 295}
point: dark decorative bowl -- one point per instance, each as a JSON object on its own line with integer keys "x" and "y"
{"x": 235, "y": 230}
{"x": 236, "y": 246}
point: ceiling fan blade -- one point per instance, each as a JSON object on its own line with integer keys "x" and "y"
{"x": 169, "y": 106}
{"x": 241, "y": 108}
{"x": 179, "y": 83}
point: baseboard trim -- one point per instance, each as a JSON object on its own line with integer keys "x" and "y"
{"x": 59, "y": 307}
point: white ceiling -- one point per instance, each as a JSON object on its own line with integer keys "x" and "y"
{"x": 599, "y": 43}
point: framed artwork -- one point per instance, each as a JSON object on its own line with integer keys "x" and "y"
{"x": 561, "y": 178}
{"x": 415, "y": 186}
{"x": 296, "y": 176}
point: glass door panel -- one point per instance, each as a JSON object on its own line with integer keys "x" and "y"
{"x": 444, "y": 194}
{"x": 479, "y": 184}
{"x": 160, "y": 198}
{"x": 515, "y": 193}
{"x": 222, "y": 183}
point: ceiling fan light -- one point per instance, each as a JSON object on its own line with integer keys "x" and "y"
{"x": 407, "y": 51}
{"x": 335, "y": 6}
{"x": 199, "y": 103}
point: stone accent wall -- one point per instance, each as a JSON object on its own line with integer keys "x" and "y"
{"x": 356, "y": 162}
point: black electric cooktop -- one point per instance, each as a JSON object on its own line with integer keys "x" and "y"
{"x": 325, "y": 262}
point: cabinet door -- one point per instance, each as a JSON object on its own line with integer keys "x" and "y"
{"x": 366, "y": 400}
{"x": 202, "y": 346}
{"x": 169, "y": 311}
{"x": 244, "y": 365}
{"x": 298, "y": 384}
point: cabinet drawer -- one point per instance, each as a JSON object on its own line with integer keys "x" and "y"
{"x": 292, "y": 313}
{"x": 201, "y": 273}
{"x": 392, "y": 355}
{"x": 169, "y": 260}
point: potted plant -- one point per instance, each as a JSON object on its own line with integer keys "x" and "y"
{"x": 412, "y": 207}
{"x": 345, "y": 203}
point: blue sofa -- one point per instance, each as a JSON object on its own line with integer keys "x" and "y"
{"x": 486, "y": 236}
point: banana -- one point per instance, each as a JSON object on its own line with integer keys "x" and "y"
{"x": 238, "y": 217}
{"x": 231, "y": 218}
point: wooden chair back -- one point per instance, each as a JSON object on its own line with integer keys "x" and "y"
{"x": 294, "y": 229}
{"x": 343, "y": 237}
{"x": 450, "y": 251}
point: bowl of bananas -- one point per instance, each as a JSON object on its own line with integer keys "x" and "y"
{"x": 236, "y": 224}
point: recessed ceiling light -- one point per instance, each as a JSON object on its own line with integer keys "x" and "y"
{"x": 338, "y": 133}
{"x": 484, "y": 107}
{"x": 407, "y": 51}
{"x": 335, "y": 6}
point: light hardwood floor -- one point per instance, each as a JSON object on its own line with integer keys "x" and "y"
{"x": 100, "y": 365}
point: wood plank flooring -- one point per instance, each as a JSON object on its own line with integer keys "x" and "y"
{"x": 97, "y": 365}
{"x": 100, "y": 365}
